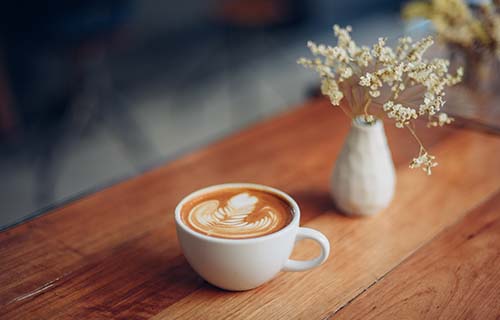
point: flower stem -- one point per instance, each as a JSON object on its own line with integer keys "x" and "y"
{"x": 412, "y": 131}
{"x": 355, "y": 100}
{"x": 345, "y": 111}
{"x": 365, "y": 108}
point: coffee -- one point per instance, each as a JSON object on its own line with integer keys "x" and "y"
{"x": 237, "y": 213}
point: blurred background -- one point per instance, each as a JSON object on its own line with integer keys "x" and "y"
{"x": 93, "y": 92}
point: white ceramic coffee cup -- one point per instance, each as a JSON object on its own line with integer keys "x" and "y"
{"x": 242, "y": 264}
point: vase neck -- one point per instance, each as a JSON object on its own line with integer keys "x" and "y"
{"x": 362, "y": 125}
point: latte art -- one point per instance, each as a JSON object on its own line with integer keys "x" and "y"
{"x": 238, "y": 214}
{"x": 234, "y": 218}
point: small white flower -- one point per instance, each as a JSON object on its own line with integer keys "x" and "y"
{"x": 388, "y": 105}
{"x": 424, "y": 161}
{"x": 442, "y": 119}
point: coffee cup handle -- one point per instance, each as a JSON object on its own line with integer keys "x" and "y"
{"x": 307, "y": 233}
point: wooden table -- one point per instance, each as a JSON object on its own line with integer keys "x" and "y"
{"x": 434, "y": 253}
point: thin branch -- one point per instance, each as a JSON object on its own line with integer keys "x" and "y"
{"x": 354, "y": 97}
{"x": 412, "y": 131}
{"x": 365, "y": 108}
{"x": 351, "y": 116}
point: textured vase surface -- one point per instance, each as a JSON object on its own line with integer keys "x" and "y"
{"x": 363, "y": 179}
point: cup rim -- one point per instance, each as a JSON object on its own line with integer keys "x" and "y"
{"x": 294, "y": 223}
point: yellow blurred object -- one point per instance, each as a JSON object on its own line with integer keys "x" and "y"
{"x": 480, "y": 32}
{"x": 457, "y": 24}
{"x": 417, "y": 9}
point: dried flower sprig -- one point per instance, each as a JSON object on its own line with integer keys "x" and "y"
{"x": 458, "y": 24}
{"x": 400, "y": 82}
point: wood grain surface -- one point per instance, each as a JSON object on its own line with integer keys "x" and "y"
{"x": 114, "y": 254}
{"x": 456, "y": 276}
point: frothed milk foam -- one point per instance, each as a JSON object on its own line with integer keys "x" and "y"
{"x": 237, "y": 213}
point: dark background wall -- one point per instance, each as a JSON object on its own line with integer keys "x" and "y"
{"x": 92, "y": 92}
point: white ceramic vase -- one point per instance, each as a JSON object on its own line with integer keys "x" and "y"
{"x": 363, "y": 179}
